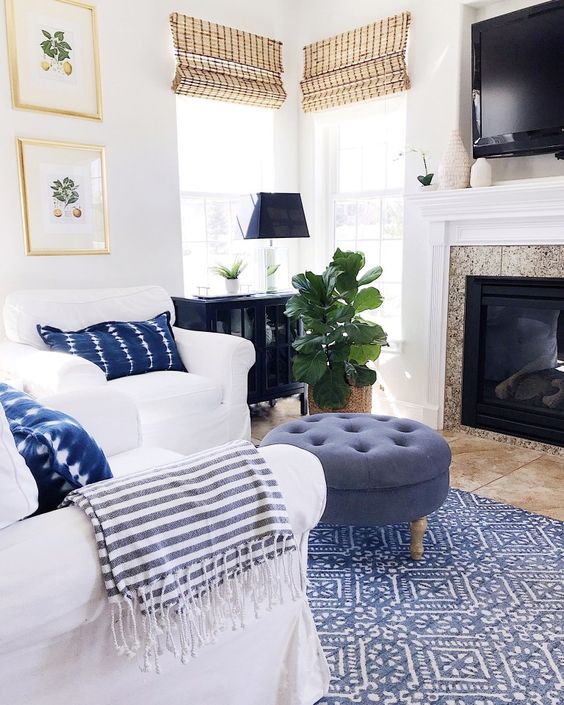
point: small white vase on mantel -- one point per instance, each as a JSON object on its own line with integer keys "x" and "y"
{"x": 481, "y": 174}
{"x": 454, "y": 168}
{"x": 232, "y": 287}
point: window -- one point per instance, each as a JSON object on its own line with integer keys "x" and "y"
{"x": 225, "y": 150}
{"x": 365, "y": 191}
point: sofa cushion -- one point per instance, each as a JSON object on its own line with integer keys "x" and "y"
{"x": 142, "y": 458}
{"x": 56, "y": 448}
{"x": 169, "y": 395}
{"x": 18, "y": 489}
{"x": 120, "y": 348}
{"x": 72, "y": 309}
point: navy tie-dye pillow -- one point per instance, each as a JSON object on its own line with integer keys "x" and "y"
{"x": 60, "y": 453}
{"x": 120, "y": 348}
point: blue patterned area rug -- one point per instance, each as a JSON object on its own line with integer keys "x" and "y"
{"x": 478, "y": 621}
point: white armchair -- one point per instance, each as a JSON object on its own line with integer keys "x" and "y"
{"x": 184, "y": 412}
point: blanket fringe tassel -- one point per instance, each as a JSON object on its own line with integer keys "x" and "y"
{"x": 170, "y": 614}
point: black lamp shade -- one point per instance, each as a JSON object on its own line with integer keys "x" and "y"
{"x": 270, "y": 216}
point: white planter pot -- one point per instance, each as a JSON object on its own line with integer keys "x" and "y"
{"x": 454, "y": 169}
{"x": 481, "y": 174}
{"x": 232, "y": 286}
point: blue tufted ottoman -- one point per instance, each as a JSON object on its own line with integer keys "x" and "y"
{"x": 379, "y": 469}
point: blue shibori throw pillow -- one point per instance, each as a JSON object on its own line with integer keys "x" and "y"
{"x": 120, "y": 348}
{"x": 60, "y": 453}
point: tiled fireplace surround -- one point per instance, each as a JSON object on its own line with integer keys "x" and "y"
{"x": 509, "y": 230}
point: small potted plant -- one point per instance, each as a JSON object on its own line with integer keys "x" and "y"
{"x": 231, "y": 275}
{"x": 424, "y": 179}
{"x": 337, "y": 342}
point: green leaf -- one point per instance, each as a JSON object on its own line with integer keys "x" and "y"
{"x": 332, "y": 390}
{"x": 46, "y": 34}
{"x": 360, "y": 375}
{"x": 339, "y": 352}
{"x": 349, "y": 265}
{"x": 65, "y": 45}
{"x": 370, "y": 276}
{"x": 365, "y": 353}
{"x": 49, "y": 52}
{"x": 368, "y": 299}
{"x": 59, "y": 35}
{"x": 72, "y": 199}
{"x": 309, "y": 368}
{"x": 298, "y": 307}
{"x": 309, "y": 343}
{"x": 341, "y": 313}
{"x": 63, "y": 55}
{"x": 335, "y": 335}
{"x": 361, "y": 333}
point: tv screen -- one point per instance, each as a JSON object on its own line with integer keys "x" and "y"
{"x": 518, "y": 82}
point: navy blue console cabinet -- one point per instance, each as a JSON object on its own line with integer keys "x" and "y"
{"x": 259, "y": 318}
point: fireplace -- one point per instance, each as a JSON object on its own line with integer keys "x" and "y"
{"x": 513, "y": 366}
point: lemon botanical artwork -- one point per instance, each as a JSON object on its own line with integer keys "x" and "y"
{"x": 63, "y": 193}
{"x": 54, "y": 63}
{"x": 56, "y": 54}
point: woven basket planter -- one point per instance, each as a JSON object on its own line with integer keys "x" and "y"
{"x": 360, "y": 402}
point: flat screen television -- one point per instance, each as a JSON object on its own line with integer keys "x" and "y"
{"x": 518, "y": 82}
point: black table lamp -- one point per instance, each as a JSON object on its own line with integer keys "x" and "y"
{"x": 272, "y": 216}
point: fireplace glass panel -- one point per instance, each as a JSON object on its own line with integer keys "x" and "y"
{"x": 513, "y": 369}
{"x": 524, "y": 357}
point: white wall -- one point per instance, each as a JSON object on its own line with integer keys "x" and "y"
{"x": 139, "y": 132}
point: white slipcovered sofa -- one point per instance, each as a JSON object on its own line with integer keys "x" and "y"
{"x": 185, "y": 412}
{"x": 55, "y": 641}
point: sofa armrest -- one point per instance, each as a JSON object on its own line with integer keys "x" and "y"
{"x": 46, "y": 372}
{"x": 111, "y": 417}
{"x": 225, "y": 359}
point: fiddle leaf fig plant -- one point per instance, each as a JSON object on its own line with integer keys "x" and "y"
{"x": 337, "y": 343}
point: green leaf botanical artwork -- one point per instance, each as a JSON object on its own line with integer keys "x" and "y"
{"x": 65, "y": 194}
{"x": 56, "y": 53}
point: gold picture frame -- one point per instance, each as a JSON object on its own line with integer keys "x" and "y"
{"x": 63, "y": 198}
{"x": 54, "y": 64}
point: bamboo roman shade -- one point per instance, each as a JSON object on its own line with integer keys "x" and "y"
{"x": 364, "y": 63}
{"x": 222, "y": 63}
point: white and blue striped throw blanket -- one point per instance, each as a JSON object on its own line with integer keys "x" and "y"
{"x": 188, "y": 548}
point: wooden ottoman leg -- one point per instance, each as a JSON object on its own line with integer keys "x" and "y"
{"x": 418, "y": 528}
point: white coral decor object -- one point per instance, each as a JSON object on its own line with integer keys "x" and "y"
{"x": 454, "y": 169}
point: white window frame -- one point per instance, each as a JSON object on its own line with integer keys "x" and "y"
{"x": 327, "y": 194}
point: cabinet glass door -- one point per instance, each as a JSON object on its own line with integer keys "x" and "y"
{"x": 278, "y": 347}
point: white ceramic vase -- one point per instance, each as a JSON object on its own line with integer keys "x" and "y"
{"x": 454, "y": 169}
{"x": 481, "y": 174}
{"x": 232, "y": 286}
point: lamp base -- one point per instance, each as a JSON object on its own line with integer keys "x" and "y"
{"x": 275, "y": 260}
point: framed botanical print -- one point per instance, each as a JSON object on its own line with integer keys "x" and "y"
{"x": 54, "y": 62}
{"x": 63, "y": 195}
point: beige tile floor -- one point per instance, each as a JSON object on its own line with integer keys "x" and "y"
{"x": 524, "y": 478}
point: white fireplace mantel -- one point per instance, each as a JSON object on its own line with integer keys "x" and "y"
{"x": 519, "y": 213}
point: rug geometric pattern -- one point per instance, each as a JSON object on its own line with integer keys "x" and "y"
{"x": 478, "y": 621}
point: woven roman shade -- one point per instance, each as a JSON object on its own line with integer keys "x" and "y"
{"x": 364, "y": 63}
{"x": 222, "y": 63}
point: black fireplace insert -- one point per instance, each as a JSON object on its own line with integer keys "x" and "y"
{"x": 513, "y": 375}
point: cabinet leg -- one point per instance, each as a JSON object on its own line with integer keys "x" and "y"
{"x": 303, "y": 404}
